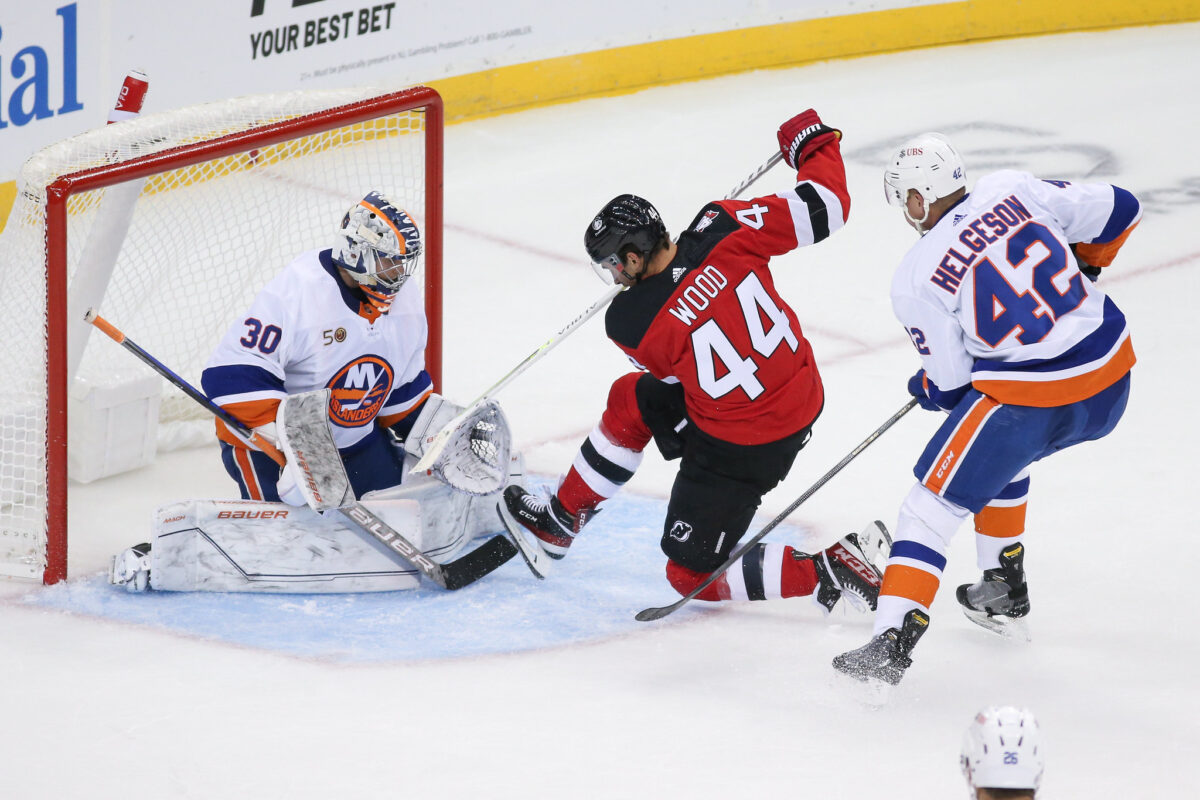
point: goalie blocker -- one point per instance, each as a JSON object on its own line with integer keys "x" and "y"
{"x": 254, "y": 546}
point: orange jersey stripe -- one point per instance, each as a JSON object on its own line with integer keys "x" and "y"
{"x": 1047, "y": 394}
{"x": 392, "y": 419}
{"x": 910, "y": 583}
{"x": 1003, "y": 522}
{"x": 947, "y": 460}
{"x": 254, "y": 413}
{"x": 1101, "y": 255}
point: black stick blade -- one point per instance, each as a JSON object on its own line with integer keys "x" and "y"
{"x": 651, "y": 614}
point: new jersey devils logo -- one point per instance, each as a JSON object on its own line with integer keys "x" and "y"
{"x": 680, "y": 531}
{"x": 358, "y": 391}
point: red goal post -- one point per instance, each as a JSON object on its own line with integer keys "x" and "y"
{"x": 229, "y": 193}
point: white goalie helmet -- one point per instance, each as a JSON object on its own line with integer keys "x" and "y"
{"x": 378, "y": 243}
{"x": 927, "y": 163}
{"x": 1002, "y": 749}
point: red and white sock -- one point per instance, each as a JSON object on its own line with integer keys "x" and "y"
{"x": 765, "y": 572}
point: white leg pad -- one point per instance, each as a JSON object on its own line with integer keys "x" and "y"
{"x": 248, "y": 546}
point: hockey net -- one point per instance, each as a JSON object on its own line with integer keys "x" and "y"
{"x": 226, "y": 194}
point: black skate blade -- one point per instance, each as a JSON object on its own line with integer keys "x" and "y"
{"x": 535, "y": 557}
{"x": 1016, "y": 629}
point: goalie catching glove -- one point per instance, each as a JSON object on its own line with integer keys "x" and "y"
{"x": 475, "y": 459}
{"x": 803, "y": 135}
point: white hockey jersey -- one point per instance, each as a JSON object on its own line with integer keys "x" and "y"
{"x": 992, "y": 296}
{"x": 307, "y": 330}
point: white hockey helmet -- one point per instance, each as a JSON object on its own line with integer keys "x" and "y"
{"x": 378, "y": 244}
{"x": 927, "y": 163}
{"x": 1002, "y": 749}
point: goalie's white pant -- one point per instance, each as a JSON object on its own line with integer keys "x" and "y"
{"x": 254, "y": 546}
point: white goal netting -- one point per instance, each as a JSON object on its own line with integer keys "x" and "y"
{"x": 200, "y": 240}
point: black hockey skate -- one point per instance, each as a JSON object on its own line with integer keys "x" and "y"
{"x": 886, "y": 657}
{"x": 553, "y": 528}
{"x": 1000, "y": 599}
{"x": 851, "y": 568}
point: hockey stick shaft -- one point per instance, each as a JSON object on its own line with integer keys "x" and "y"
{"x": 436, "y": 443}
{"x": 763, "y": 169}
{"x": 233, "y": 422}
{"x": 649, "y": 614}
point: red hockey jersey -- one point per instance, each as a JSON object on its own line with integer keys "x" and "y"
{"x": 713, "y": 321}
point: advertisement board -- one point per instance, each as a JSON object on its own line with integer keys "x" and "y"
{"x": 61, "y": 62}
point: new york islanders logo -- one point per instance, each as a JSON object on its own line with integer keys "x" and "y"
{"x": 359, "y": 390}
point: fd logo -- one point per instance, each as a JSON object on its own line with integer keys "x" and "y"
{"x": 680, "y": 531}
{"x": 358, "y": 391}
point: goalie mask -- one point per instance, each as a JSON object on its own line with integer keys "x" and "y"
{"x": 626, "y": 224}
{"x": 378, "y": 244}
{"x": 1002, "y": 749}
{"x": 927, "y": 163}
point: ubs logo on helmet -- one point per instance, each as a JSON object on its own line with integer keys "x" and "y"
{"x": 358, "y": 391}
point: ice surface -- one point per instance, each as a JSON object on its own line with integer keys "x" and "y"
{"x": 529, "y": 689}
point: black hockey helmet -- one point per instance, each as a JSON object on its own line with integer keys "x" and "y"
{"x": 627, "y": 223}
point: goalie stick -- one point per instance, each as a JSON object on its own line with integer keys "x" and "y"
{"x": 650, "y": 614}
{"x": 453, "y": 575}
{"x": 435, "y": 444}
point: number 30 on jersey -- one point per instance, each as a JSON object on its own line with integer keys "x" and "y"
{"x": 767, "y": 326}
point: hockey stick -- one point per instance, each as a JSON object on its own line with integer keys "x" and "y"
{"x": 649, "y": 614}
{"x": 763, "y": 169}
{"x": 452, "y": 575}
{"x": 434, "y": 445}
{"x": 234, "y": 424}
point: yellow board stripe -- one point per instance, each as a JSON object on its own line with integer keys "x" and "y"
{"x": 628, "y": 69}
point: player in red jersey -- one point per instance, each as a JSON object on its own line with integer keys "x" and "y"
{"x": 729, "y": 386}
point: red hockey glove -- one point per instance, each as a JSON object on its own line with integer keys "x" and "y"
{"x": 803, "y": 135}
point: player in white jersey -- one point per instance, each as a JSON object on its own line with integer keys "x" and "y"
{"x": 1021, "y": 348}
{"x": 344, "y": 318}
{"x": 347, "y": 319}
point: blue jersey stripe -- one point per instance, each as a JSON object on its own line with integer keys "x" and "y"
{"x": 1094, "y": 346}
{"x": 238, "y": 379}
{"x": 1014, "y": 490}
{"x": 947, "y": 399}
{"x": 405, "y": 394}
{"x": 918, "y": 552}
{"x": 1125, "y": 210}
